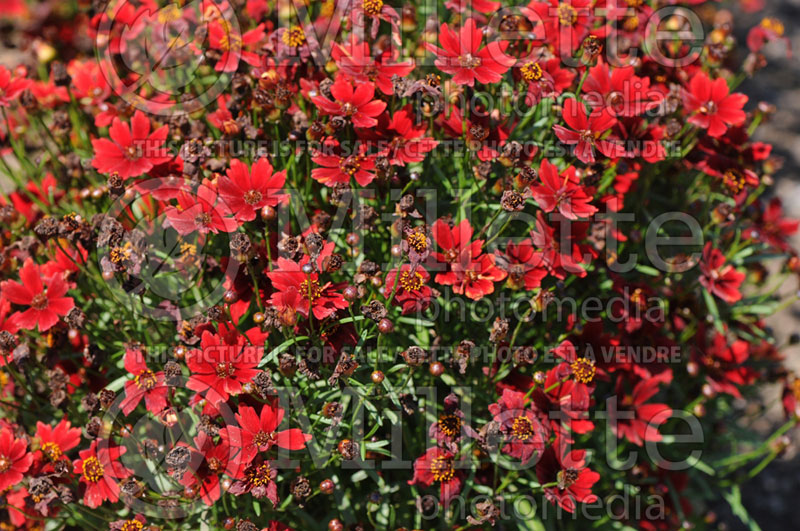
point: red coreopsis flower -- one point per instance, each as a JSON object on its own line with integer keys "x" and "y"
{"x": 340, "y": 168}
{"x": 302, "y": 292}
{"x": 356, "y": 61}
{"x": 561, "y": 252}
{"x": 44, "y": 297}
{"x": 437, "y": 465}
{"x": 100, "y": 472}
{"x": 523, "y": 432}
{"x": 356, "y": 104}
{"x": 463, "y": 56}
{"x": 711, "y": 105}
{"x": 258, "y": 432}
{"x": 11, "y": 86}
{"x": 145, "y": 384}
{"x": 772, "y": 227}
{"x": 546, "y": 79}
{"x": 568, "y": 470}
{"x": 132, "y": 150}
{"x": 450, "y": 427}
{"x": 470, "y": 272}
{"x": 219, "y": 369}
{"x": 563, "y": 24}
{"x": 208, "y": 462}
{"x": 412, "y": 293}
{"x": 245, "y": 191}
{"x": 258, "y": 478}
{"x": 15, "y": 459}
{"x": 232, "y": 45}
{"x": 563, "y": 192}
{"x": 55, "y": 442}
{"x": 407, "y": 142}
{"x": 724, "y": 364}
{"x": 523, "y": 264}
{"x": 204, "y": 211}
{"x": 720, "y": 279}
{"x": 636, "y": 419}
{"x": 620, "y": 91}
{"x": 585, "y": 133}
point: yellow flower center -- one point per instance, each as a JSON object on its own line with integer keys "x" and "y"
{"x": 450, "y": 425}
{"x": 442, "y": 469}
{"x": 92, "y": 469}
{"x": 373, "y": 7}
{"x": 52, "y": 451}
{"x": 531, "y": 72}
{"x": 567, "y": 16}
{"x": 583, "y": 370}
{"x": 522, "y": 428}
{"x": 411, "y": 282}
{"x": 294, "y": 37}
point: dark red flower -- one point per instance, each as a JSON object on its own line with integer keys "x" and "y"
{"x": 711, "y": 105}
{"x": 258, "y": 432}
{"x": 567, "y": 469}
{"x": 340, "y": 168}
{"x": 562, "y": 24}
{"x": 257, "y": 478}
{"x": 44, "y": 296}
{"x": 523, "y": 432}
{"x": 720, "y": 279}
{"x": 100, "y": 471}
{"x": 633, "y": 417}
{"x": 412, "y": 293}
{"x": 462, "y": 55}
{"x": 132, "y": 150}
{"x": 619, "y": 91}
{"x": 561, "y": 252}
{"x": 523, "y": 264}
{"x": 451, "y": 427}
{"x": 437, "y": 464}
{"x": 406, "y": 141}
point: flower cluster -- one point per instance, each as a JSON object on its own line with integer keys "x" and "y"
{"x": 425, "y": 264}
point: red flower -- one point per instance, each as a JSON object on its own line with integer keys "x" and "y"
{"x": 131, "y": 151}
{"x": 585, "y": 132}
{"x": 523, "y": 264}
{"x": 257, "y": 432}
{"x": 413, "y": 293}
{"x": 711, "y": 105}
{"x": 203, "y": 212}
{"x": 561, "y": 253}
{"x": 523, "y": 431}
{"x": 356, "y": 104}
{"x": 258, "y": 478}
{"x": 562, "y": 191}
{"x": 245, "y": 192}
{"x": 55, "y": 442}
{"x": 339, "y": 169}
{"x": 15, "y": 459}
{"x": 634, "y": 418}
{"x": 407, "y": 142}
{"x": 100, "y": 470}
{"x": 302, "y": 292}
{"x": 207, "y": 463}
{"x": 772, "y": 227}
{"x": 355, "y": 60}
{"x": 231, "y": 44}
{"x": 450, "y": 427}
{"x": 145, "y": 384}
{"x": 45, "y": 296}
{"x": 720, "y": 279}
{"x": 568, "y": 470}
{"x": 619, "y": 91}
{"x": 11, "y": 87}
{"x": 546, "y": 79}
{"x": 219, "y": 369}
{"x": 562, "y": 24}
{"x": 461, "y": 55}
{"x": 470, "y": 273}
{"x": 437, "y": 465}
